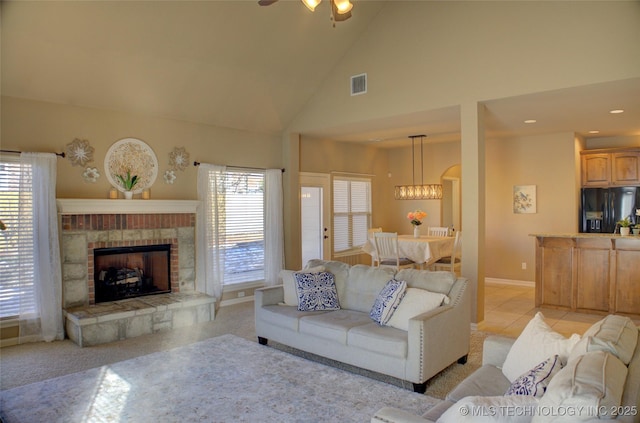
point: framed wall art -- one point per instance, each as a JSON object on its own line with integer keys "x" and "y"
{"x": 524, "y": 199}
{"x": 134, "y": 156}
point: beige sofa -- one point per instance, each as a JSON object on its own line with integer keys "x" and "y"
{"x": 594, "y": 381}
{"x": 434, "y": 339}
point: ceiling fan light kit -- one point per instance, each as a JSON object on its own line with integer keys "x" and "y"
{"x": 311, "y": 4}
{"x": 343, "y": 6}
{"x": 421, "y": 191}
{"x": 340, "y": 9}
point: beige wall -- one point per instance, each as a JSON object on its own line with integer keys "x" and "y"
{"x": 548, "y": 162}
{"x": 426, "y": 55}
{"x": 38, "y": 126}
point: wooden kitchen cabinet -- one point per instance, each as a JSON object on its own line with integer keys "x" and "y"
{"x": 625, "y": 168}
{"x": 603, "y": 168}
{"x": 589, "y": 273}
{"x": 596, "y": 170}
{"x": 627, "y": 292}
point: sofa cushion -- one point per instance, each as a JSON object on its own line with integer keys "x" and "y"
{"x": 615, "y": 334}
{"x": 535, "y": 381}
{"x": 387, "y": 301}
{"x": 431, "y": 281}
{"x": 289, "y": 283}
{"x": 416, "y": 301}
{"x": 316, "y": 291}
{"x": 510, "y": 409}
{"x": 593, "y": 382}
{"x": 339, "y": 269}
{"x": 333, "y": 326}
{"x": 487, "y": 380}
{"x": 536, "y": 343}
{"x": 363, "y": 286}
{"x": 379, "y": 339}
{"x": 284, "y": 316}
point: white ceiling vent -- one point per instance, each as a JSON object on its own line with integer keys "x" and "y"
{"x": 359, "y": 84}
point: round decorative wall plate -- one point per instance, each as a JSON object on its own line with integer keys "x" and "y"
{"x": 134, "y": 156}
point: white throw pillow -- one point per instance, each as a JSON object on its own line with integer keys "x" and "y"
{"x": 289, "y": 283}
{"x": 535, "y": 381}
{"x": 509, "y": 409}
{"x": 615, "y": 334}
{"x": 592, "y": 385}
{"x": 415, "y": 301}
{"x": 387, "y": 301}
{"x": 536, "y": 343}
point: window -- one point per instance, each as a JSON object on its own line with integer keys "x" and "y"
{"x": 351, "y": 214}
{"x": 241, "y": 228}
{"x": 16, "y": 242}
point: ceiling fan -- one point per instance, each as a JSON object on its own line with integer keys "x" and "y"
{"x": 340, "y": 9}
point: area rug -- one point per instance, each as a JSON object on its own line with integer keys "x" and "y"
{"x": 222, "y": 379}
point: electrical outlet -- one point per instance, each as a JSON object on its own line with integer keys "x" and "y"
{"x": 524, "y": 265}
{"x": 240, "y": 294}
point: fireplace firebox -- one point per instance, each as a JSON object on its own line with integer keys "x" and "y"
{"x": 128, "y": 272}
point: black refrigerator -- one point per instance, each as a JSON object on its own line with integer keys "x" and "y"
{"x": 603, "y": 207}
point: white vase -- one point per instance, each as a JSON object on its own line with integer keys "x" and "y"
{"x": 625, "y": 231}
{"x": 416, "y": 231}
{"x": 128, "y": 195}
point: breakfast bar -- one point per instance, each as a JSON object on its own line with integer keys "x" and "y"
{"x": 588, "y": 272}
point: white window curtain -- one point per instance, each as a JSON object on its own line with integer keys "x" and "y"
{"x": 210, "y": 266}
{"x": 42, "y": 318}
{"x": 274, "y": 227}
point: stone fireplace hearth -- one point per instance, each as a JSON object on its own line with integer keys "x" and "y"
{"x": 86, "y": 225}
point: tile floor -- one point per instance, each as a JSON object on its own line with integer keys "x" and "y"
{"x": 509, "y": 308}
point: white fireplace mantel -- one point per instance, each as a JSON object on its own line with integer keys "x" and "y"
{"x": 100, "y": 206}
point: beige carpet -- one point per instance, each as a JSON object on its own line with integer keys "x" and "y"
{"x": 28, "y": 363}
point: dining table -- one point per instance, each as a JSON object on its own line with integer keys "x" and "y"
{"x": 424, "y": 250}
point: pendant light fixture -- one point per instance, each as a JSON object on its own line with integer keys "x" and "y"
{"x": 422, "y": 191}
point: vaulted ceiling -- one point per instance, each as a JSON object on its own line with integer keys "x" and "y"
{"x": 235, "y": 64}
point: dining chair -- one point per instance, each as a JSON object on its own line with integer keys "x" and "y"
{"x": 370, "y": 232}
{"x": 452, "y": 263}
{"x": 387, "y": 251}
{"x": 438, "y": 231}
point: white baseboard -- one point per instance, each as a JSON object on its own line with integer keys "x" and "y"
{"x": 236, "y": 300}
{"x": 512, "y": 282}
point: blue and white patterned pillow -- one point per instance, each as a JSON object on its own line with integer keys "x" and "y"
{"x": 387, "y": 301}
{"x": 316, "y": 291}
{"x": 535, "y": 381}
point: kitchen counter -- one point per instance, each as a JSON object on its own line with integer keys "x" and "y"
{"x": 588, "y": 272}
{"x": 586, "y": 235}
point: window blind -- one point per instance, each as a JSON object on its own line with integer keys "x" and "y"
{"x": 16, "y": 242}
{"x": 351, "y": 213}
{"x": 242, "y": 226}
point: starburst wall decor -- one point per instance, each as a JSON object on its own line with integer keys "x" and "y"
{"x": 179, "y": 158}
{"x": 79, "y": 152}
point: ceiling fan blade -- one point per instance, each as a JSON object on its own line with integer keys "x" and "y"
{"x": 266, "y": 2}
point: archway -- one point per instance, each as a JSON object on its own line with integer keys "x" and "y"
{"x": 451, "y": 204}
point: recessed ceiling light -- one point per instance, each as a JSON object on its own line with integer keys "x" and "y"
{"x": 594, "y": 132}
{"x": 530, "y": 121}
{"x": 616, "y": 111}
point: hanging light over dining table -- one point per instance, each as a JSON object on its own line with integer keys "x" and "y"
{"x": 421, "y": 191}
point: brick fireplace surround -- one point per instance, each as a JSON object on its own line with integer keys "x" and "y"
{"x": 89, "y": 224}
